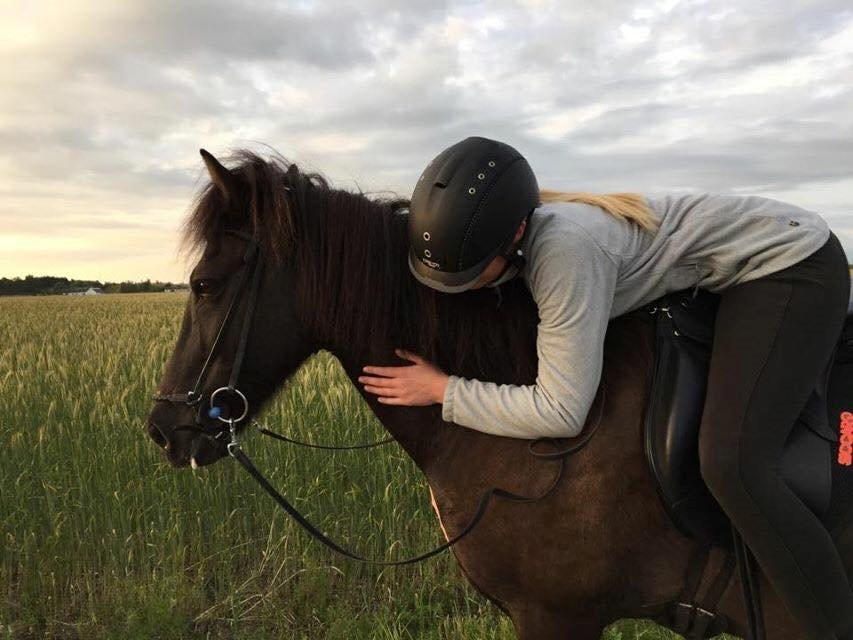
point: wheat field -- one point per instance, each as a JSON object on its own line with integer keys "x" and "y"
{"x": 102, "y": 538}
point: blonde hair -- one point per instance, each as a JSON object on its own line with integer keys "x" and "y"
{"x": 628, "y": 206}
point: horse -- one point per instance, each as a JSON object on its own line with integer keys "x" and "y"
{"x": 598, "y": 548}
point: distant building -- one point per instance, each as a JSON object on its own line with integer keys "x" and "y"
{"x": 91, "y": 291}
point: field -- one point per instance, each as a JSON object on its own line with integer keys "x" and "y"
{"x": 104, "y": 539}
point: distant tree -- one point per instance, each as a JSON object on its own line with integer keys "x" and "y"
{"x": 53, "y": 285}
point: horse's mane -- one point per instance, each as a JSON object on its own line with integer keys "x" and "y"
{"x": 348, "y": 254}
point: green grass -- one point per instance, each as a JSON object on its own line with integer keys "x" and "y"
{"x": 101, "y": 538}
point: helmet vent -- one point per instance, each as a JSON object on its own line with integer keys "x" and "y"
{"x": 441, "y": 184}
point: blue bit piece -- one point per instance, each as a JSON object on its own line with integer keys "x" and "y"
{"x": 214, "y": 412}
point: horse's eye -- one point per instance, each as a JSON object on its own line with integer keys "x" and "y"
{"x": 204, "y": 286}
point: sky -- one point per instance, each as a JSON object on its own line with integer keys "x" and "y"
{"x": 104, "y": 106}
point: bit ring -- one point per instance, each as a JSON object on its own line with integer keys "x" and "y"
{"x": 239, "y": 395}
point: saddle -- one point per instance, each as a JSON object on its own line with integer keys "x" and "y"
{"x": 684, "y": 330}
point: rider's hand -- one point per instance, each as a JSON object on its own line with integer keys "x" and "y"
{"x": 418, "y": 384}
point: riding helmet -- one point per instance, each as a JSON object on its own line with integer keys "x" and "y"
{"x": 465, "y": 210}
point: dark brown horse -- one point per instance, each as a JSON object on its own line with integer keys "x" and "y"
{"x": 597, "y": 549}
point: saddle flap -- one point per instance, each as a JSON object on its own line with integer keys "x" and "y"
{"x": 684, "y": 334}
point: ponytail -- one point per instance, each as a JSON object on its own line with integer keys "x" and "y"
{"x": 628, "y": 206}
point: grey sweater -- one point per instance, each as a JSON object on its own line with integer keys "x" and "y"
{"x": 585, "y": 266}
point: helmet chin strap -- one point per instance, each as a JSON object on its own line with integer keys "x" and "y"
{"x": 515, "y": 262}
{"x": 514, "y": 256}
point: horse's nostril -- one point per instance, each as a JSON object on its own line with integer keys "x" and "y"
{"x": 158, "y": 436}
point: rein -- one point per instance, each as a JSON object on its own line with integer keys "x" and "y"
{"x": 326, "y": 447}
{"x": 195, "y": 397}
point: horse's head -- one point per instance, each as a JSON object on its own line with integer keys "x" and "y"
{"x": 240, "y": 331}
{"x": 333, "y": 276}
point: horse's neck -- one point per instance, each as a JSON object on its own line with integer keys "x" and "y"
{"x": 419, "y": 430}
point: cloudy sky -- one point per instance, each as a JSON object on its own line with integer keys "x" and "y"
{"x": 104, "y": 105}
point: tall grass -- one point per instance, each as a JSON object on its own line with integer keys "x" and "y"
{"x": 101, "y": 538}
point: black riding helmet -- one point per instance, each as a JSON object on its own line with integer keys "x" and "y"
{"x": 465, "y": 210}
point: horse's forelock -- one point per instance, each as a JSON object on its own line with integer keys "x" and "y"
{"x": 263, "y": 207}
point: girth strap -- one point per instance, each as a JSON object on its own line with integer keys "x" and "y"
{"x": 684, "y": 606}
{"x": 688, "y": 615}
{"x": 749, "y": 587}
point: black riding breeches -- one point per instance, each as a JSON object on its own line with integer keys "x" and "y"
{"x": 773, "y": 337}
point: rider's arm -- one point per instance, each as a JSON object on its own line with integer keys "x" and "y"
{"x": 573, "y": 280}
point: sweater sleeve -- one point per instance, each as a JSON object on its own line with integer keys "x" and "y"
{"x": 573, "y": 281}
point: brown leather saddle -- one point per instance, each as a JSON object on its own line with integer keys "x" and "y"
{"x": 684, "y": 330}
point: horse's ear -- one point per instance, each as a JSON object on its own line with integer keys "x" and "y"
{"x": 219, "y": 175}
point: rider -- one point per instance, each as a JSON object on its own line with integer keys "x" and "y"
{"x": 478, "y": 218}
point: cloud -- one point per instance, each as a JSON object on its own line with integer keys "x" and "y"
{"x": 104, "y": 105}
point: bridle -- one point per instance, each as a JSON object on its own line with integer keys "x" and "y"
{"x": 253, "y": 266}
